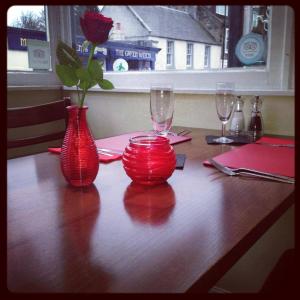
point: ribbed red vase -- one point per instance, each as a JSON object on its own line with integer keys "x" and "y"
{"x": 79, "y": 157}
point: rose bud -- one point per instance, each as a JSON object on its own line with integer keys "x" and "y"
{"x": 95, "y": 27}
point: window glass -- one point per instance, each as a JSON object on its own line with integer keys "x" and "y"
{"x": 207, "y": 57}
{"x": 27, "y": 39}
{"x": 156, "y": 37}
{"x": 189, "y": 55}
{"x": 170, "y": 54}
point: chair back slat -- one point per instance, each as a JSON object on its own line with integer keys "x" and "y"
{"x": 34, "y": 115}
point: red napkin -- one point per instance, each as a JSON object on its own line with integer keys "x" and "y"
{"x": 272, "y": 159}
{"x": 120, "y": 142}
{"x": 272, "y": 140}
{"x": 102, "y": 158}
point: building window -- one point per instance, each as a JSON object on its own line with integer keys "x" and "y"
{"x": 189, "y": 55}
{"x": 170, "y": 53}
{"x": 207, "y": 56}
{"x": 221, "y": 10}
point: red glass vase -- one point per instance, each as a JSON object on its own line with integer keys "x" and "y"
{"x": 79, "y": 157}
{"x": 149, "y": 160}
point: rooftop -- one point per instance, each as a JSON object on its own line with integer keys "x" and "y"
{"x": 171, "y": 23}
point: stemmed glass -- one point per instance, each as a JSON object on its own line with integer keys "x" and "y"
{"x": 224, "y": 103}
{"x": 161, "y": 108}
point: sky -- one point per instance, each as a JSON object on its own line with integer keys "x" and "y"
{"x": 15, "y": 11}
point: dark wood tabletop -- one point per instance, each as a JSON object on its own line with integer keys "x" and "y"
{"x": 119, "y": 237}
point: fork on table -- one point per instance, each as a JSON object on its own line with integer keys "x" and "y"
{"x": 250, "y": 172}
{"x": 180, "y": 133}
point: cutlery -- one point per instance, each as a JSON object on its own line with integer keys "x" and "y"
{"x": 250, "y": 172}
{"x": 277, "y": 145}
{"x": 109, "y": 151}
{"x": 180, "y": 133}
{"x": 104, "y": 153}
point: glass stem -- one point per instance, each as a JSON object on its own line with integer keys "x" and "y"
{"x": 223, "y": 129}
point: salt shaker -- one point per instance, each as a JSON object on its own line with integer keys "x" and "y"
{"x": 238, "y": 121}
{"x": 255, "y": 127}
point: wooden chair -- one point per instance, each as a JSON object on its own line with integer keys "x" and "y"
{"x": 34, "y": 115}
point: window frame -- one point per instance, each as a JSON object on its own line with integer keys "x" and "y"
{"x": 277, "y": 77}
{"x": 190, "y": 56}
{"x": 57, "y": 26}
{"x": 207, "y": 56}
{"x": 172, "y": 54}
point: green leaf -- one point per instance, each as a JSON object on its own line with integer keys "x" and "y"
{"x": 83, "y": 74}
{"x": 84, "y": 85}
{"x": 95, "y": 70}
{"x": 94, "y": 82}
{"x": 67, "y": 75}
{"x": 106, "y": 84}
{"x": 67, "y": 55}
{"x": 86, "y": 80}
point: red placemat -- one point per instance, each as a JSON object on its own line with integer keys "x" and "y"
{"x": 261, "y": 157}
{"x": 102, "y": 158}
{"x": 120, "y": 142}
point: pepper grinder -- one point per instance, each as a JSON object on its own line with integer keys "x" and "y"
{"x": 237, "y": 126}
{"x": 255, "y": 127}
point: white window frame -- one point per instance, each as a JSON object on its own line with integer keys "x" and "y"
{"x": 207, "y": 55}
{"x": 58, "y": 24}
{"x": 172, "y": 54}
{"x": 189, "y": 55}
{"x": 277, "y": 78}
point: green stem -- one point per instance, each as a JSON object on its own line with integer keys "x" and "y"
{"x": 88, "y": 64}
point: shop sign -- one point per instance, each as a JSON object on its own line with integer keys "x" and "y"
{"x": 132, "y": 54}
{"x": 38, "y": 54}
{"x": 120, "y": 65}
{"x": 17, "y": 37}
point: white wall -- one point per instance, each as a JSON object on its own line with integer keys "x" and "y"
{"x": 114, "y": 113}
{"x": 17, "y": 60}
{"x": 215, "y": 57}
{"x": 180, "y": 48}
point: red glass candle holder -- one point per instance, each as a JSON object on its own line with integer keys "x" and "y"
{"x": 149, "y": 160}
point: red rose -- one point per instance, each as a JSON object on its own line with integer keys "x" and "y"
{"x": 95, "y": 27}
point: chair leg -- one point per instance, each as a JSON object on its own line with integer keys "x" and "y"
{"x": 282, "y": 278}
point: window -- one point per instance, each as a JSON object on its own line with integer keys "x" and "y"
{"x": 207, "y": 56}
{"x": 25, "y": 23}
{"x": 157, "y": 55}
{"x": 170, "y": 53}
{"x": 221, "y": 10}
{"x": 51, "y": 26}
{"x": 189, "y": 55}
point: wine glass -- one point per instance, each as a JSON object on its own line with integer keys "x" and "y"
{"x": 224, "y": 104}
{"x": 162, "y": 108}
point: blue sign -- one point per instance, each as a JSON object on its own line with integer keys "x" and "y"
{"x": 132, "y": 54}
{"x": 17, "y": 37}
{"x": 118, "y": 49}
{"x": 250, "y": 49}
{"x": 100, "y": 51}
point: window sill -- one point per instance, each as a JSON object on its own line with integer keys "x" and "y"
{"x": 261, "y": 92}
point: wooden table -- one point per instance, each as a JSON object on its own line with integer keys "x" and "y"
{"x": 115, "y": 236}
